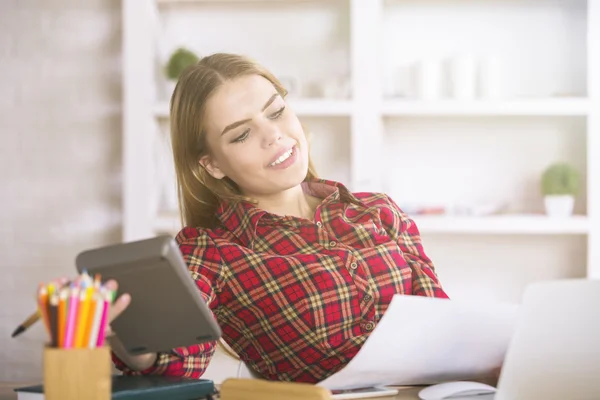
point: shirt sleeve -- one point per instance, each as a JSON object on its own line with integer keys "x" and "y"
{"x": 203, "y": 259}
{"x": 406, "y": 233}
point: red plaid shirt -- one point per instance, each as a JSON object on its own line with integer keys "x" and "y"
{"x": 296, "y": 298}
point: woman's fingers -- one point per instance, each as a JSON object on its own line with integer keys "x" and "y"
{"x": 119, "y": 306}
{"x": 111, "y": 284}
{"x": 120, "y": 303}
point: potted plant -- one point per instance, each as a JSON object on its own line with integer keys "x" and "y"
{"x": 560, "y": 183}
{"x": 180, "y": 59}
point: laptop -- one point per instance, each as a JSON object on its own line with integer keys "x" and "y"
{"x": 554, "y": 353}
{"x": 555, "y": 350}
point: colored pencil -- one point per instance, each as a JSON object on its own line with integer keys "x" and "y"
{"x": 43, "y": 306}
{"x": 53, "y": 318}
{"x": 71, "y": 328}
{"x": 75, "y": 314}
{"x": 108, "y": 300}
{"x": 62, "y": 316}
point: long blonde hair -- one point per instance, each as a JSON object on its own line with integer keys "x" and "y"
{"x": 198, "y": 192}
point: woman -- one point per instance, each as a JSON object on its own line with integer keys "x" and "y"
{"x": 297, "y": 270}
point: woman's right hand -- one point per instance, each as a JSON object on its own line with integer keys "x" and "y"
{"x": 135, "y": 362}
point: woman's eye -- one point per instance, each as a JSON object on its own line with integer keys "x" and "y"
{"x": 242, "y": 138}
{"x": 277, "y": 114}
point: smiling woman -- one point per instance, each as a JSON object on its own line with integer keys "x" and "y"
{"x": 234, "y": 113}
{"x": 297, "y": 270}
{"x": 265, "y": 150}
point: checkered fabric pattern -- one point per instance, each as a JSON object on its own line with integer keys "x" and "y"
{"x": 297, "y": 298}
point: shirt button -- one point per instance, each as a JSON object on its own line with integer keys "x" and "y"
{"x": 367, "y": 297}
{"x": 353, "y": 265}
{"x": 369, "y": 326}
{"x": 332, "y": 243}
{"x": 319, "y": 224}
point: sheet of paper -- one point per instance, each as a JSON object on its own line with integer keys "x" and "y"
{"x": 424, "y": 340}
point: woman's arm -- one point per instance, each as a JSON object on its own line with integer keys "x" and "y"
{"x": 189, "y": 362}
{"x": 405, "y": 232}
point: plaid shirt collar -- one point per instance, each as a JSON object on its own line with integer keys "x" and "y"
{"x": 241, "y": 218}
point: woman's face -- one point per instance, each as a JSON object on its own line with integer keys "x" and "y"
{"x": 254, "y": 138}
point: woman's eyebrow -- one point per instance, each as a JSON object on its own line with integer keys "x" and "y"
{"x": 238, "y": 123}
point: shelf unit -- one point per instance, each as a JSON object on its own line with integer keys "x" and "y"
{"x": 433, "y": 224}
{"x": 367, "y": 112}
{"x": 302, "y": 107}
{"x": 503, "y": 224}
{"x": 532, "y": 107}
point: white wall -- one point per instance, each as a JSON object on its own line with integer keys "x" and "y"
{"x": 60, "y": 154}
{"x": 453, "y": 161}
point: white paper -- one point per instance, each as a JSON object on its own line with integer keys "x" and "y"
{"x": 423, "y": 340}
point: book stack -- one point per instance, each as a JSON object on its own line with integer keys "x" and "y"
{"x": 142, "y": 388}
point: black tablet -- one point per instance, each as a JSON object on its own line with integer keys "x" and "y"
{"x": 167, "y": 309}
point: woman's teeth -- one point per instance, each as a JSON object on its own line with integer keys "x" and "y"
{"x": 283, "y": 157}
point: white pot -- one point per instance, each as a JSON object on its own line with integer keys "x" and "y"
{"x": 463, "y": 77}
{"x": 559, "y": 206}
{"x": 428, "y": 79}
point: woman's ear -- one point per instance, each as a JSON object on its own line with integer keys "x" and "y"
{"x": 211, "y": 167}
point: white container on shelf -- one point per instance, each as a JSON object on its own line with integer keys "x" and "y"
{"x": 559, "y": 206}
{"x": 491, "y": 78}
{"x": 428, "y": 79}
{"x": 463, "y": 77}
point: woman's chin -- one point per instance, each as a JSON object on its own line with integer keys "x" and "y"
{"x": 290, "y": 177}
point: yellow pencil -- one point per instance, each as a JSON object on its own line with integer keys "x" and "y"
{"x": 90, "y": 318}
{"x": 82, "y": 316}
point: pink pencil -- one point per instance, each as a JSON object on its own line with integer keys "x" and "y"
{"x": 103, "y": 320}
{"x": 71, "y": 318}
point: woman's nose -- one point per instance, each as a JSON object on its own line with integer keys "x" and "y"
{"x": 271, "y": 135}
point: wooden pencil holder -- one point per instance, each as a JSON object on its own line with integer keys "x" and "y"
{"x": 76, "y": 374}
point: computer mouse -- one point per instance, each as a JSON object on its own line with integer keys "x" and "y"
{"x": 455, "y": 389}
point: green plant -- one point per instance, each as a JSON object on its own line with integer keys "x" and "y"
{"x": 560, "y": 179}
{"x": 179, "y": 61}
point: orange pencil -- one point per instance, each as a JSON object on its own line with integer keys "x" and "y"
{"x": 90, "y": 318}
{"x": 43, "y": 306}
{"x": 62, "y": 317}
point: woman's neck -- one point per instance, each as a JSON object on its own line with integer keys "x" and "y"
{"x": 292, "y": 202}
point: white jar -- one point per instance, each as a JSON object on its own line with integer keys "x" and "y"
{"x": 463, "y": 77}
{"x": 491, "y": 83}
{"x": 428, "y": 79}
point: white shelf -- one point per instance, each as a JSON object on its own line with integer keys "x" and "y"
{"x": 497, "y": 224}
{"x": 168, "y": 2}
{"x": 321, "y": 107}
{"x": 503, "y": 224}
{"x": 302, "y": 107}
{"x": 327, "y": 107}
{"x": 526, "y": 107}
